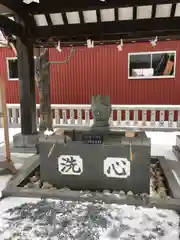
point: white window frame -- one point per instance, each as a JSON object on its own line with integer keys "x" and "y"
{"x": 151, "y": 53}
{"x": 7, "y": 63}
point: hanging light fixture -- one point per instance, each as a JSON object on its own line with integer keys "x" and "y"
{"x": 120, "y": 46}
{"x": 30, "y": 1}
{"x": 154, "y": 41}
{"x": 58, "y": 47}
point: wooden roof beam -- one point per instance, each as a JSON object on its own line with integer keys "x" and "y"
{"x": 120, "y": 28}
{"x": 10, "y": 25}
{"x": 56, "y": 6}
{"x": 25, "y": 16}
{"x": 81, "y": 40}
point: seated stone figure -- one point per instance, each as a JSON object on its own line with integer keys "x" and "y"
{"x": 101, "y": 111}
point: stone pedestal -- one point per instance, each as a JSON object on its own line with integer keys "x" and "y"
{"x": 91, "y": 160}
{"x": 25, "y": 141}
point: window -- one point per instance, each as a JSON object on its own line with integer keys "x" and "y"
{"x": 151, "y": 65}
{"x": 12, "y": 68}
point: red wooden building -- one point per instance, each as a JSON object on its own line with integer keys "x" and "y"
{"x": 102, "y": 69}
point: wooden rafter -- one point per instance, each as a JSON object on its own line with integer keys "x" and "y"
{"x": 55, "y": 6}
{"x": 121, "y": 28}
{"x": 11, "y": 26}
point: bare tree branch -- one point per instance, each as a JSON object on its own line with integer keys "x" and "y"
{"x": 13, "y": 48}
{"x": 41, "y": 54}
{"x": 72, "y": 51}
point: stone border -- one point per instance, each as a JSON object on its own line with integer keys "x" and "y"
{"x": 14, "y": 190}
{"x": 127, "y": 128}
{"x": 23, "y": 150}
{"x": 167, "y": 167}
{"x": 28, "y": 167}
{"x": 176, "y": 151}
{"x": 123, "y": 128}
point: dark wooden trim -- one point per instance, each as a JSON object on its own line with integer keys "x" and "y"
{"x": 11, "y": 26}
{"x": 70, "y": 5}
{"x": 18, "y": 10}
{"x": 116, "y": 14}
{"x": 107, "y": 40}
{"x": 153, "y": 11}
{"x": 134, "y": 13}
{"x": 124, "y": 28}
{"x": 98, "y": 14}
{"x": 173, "y": 9}
{"x": 48, "y": 20}
{"x": 25, "y": 58}
{"x": 81, "y": 16}
{"x": 64, "y": 17}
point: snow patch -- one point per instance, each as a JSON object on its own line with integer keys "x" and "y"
{"x": 70, "y": 220}
{"x": 48, "y": 133}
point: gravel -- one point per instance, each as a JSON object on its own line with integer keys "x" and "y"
{"x": 68, "y": 220}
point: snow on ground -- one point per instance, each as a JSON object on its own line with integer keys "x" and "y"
{"x": 162, "y": 142}
{"x": 17, "y": 158}
{"x": 4, "y": 179}
{"x": 12, "y": 132}
{"x": 53, "y": 220}
{"x": 37, "y": 219}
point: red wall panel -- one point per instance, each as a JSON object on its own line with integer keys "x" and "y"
{"x": 103, "y": 70}
{"x": 12, "y": 87}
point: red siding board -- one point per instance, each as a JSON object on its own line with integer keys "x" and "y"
{"x": 104, "y": 70}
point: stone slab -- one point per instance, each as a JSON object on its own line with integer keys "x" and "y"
{"x": 19, "y": 150}
{"x": 7, "y": 165}
{"x": 23, "y": 150}
{"x": 14, "y": 190}
{"x": 25, "y": 141}
{"x": 122, "y": 128}
{"x": 176, "y": 151}
{"x": 171, "y": 204}
{"x": 93, "y": 157}
{"x": 171, "y": 171}
{"x": 178, "y": 141}
{"x": 27, "y": 168}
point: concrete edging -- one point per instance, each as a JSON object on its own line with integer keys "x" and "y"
{"x": 14, "y": 190}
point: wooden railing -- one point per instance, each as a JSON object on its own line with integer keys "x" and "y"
{"x": 149, "y": 117}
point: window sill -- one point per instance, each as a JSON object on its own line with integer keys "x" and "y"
{"x": 154, "y": 77}
{"x": 13, "y": 79}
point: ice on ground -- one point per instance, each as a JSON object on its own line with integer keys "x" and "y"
{"x": 70, "y": 220}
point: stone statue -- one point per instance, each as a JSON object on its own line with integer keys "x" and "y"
{"x": 101, "y": 111}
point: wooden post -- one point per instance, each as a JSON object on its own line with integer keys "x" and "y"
{"x": 8, "y": 164}
{"x": 27, "y": 93}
